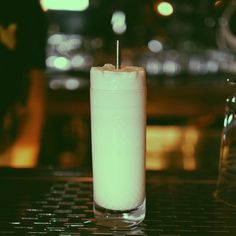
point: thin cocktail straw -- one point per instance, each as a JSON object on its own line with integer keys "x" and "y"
{"x": 118, "y": 56}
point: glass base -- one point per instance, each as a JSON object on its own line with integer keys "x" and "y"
{"x": 118, "y": 220}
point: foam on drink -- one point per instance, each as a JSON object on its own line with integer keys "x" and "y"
{"x": 118, "y": 122}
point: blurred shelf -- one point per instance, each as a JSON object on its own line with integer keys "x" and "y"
{"x": 162, "y": 101}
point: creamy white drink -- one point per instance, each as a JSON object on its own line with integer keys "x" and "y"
{"x": 118, "y": 122}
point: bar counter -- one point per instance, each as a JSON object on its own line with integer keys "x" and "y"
{"x": 60, "y": 202}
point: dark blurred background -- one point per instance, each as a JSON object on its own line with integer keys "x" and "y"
{"x": 188, "y": 51}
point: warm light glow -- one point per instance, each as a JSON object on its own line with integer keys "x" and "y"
{"x": 161, "y": 140}
{"x": 218, "y": 3}
{"x": 188, "y": 148}
{"x": 165, "y": 8}
{"x": 24, "y": 156}
{"x": 171, "y": 147}
{"x": 66, "y": 5}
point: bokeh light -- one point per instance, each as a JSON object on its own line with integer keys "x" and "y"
{"x": 66, "y": 5}
{"x": 155, "y": 45}
{"x": 118, "y": 22}
{"x": 164, "y": 8}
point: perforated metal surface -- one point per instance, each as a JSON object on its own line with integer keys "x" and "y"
{"x": 42, "y": 207}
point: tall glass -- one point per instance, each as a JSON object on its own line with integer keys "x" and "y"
{"x": 226, "y": 188}
{"x": 118, "y": 123}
